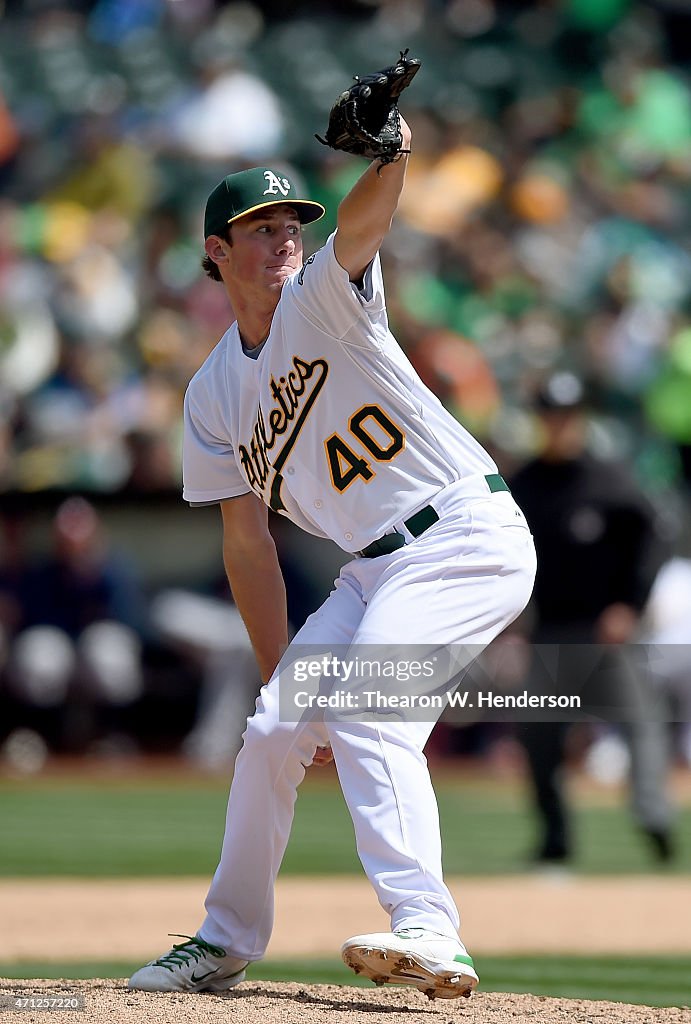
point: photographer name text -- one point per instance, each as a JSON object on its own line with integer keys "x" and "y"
{"x": 373, "y": 700}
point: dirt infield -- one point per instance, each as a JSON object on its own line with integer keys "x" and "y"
{"x": 76, "y": 919}
{"x": 79, "y": 919}
{"x": 129, "y": 920}
{"x": 292, "y": 1003}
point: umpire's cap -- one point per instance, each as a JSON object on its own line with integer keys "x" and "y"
{"x": 563, "y": 390}
{"x": 246, "y": 191}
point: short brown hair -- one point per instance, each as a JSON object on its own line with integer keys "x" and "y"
{"x": 208, "y": 266}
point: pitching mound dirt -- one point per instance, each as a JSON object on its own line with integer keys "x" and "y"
{"x": 129, "y": 919}
{"x": 291, "y": 1003}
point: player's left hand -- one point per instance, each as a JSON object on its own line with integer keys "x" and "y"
{"x": 365, "y": 119}
{"x": 322, "y": 756}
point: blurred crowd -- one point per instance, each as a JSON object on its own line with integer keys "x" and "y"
{"x": 545, "y": 221}
{"x": 546, "y": 224}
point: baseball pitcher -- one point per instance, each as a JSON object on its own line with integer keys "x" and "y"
{"x": 308, "y": 406}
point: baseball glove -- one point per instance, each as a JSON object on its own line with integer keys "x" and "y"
{"x": 365, "y": 120}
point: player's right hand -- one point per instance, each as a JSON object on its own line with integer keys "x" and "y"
{"x": 322, "y": 756}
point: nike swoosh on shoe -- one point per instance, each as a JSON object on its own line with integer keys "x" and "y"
{"x": 203, "y": 977}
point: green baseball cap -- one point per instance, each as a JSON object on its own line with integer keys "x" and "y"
{"x": 246, "y": 191}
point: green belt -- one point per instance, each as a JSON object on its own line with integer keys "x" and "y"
{"x": 420, "y": 522}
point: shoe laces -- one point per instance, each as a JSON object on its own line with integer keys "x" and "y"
{"x": 194, "y": 948}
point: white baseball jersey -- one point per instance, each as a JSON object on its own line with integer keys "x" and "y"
{"x": 330, "y": 424}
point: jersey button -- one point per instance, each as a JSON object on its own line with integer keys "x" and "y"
{"x": 318, "y": 503}
{"x": 290, "y": 470}
{"x": 348, "y": 536}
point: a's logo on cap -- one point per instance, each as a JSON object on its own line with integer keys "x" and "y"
{"x": 276, "y": 185}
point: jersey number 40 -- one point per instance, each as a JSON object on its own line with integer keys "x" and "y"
{"x": 377, "y": 434}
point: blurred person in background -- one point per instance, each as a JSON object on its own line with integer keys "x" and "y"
{"x": 207, "y": 630}
{"x": 231, "y": 113}
{"x": 667, "y": 629}
{"x": 599, "y": 549}
{"x": 77, "y": 618}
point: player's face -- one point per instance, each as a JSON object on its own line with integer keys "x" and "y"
{"x": 266, "y": 247}
{"x": 564, "y": 434}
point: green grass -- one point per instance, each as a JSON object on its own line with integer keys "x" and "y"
{"x": 652, "y": 981}
{"x": 120, "y": 828}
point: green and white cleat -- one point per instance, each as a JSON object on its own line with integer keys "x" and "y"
{"x": 435, "y": 964}
{"x": 191, "y": 966}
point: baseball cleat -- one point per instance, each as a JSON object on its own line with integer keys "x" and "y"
{"x": 191, "y": 966}
{"x": 435, "y": 964}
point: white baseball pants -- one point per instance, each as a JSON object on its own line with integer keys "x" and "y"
{"x": 461, "y": 582}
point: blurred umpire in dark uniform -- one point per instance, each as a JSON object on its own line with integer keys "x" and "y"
{"x": 599, "y": 549}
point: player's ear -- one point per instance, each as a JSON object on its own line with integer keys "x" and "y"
{"x": 213, "y": 247}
